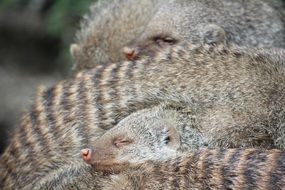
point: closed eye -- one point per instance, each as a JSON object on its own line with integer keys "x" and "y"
{"x": 121, "y": 142}
{"x": 169, "y": 40}
{"x": 160, "y": 40}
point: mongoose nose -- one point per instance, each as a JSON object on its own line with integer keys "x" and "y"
{"x": 86, "y": 155}
{"x": 130, "y": 53}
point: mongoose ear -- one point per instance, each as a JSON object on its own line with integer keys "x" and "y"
{"x": 74, "y": 50}
{"x": 213, "y": 34}
{"x": 160, "y": 129}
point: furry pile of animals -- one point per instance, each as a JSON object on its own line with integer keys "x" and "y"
{"x": 172, "y": 94}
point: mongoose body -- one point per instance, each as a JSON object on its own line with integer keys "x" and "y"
{"x": 203, "y": 169}
{"x": 208, "y": 169}
{"x": 146, "y": 26}
{"x": 236, "y": 97}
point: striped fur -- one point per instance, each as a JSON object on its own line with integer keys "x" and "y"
{"x": 102, "y": 35}
{"x": 233, "y": 169}
{"x": 147, "y": 25}
{"x": 69, "y": 115}
{"x": 245, "y": 169}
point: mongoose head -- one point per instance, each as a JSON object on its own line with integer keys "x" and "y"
{"x": 173, "y": 23}
{"x": 153, "y": 42}
{"x": 154, "y": 135}
{"x": 149, "y": 45}
{"x": 210, "y": 23}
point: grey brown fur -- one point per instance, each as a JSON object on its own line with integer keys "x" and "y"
{"x": 251, "y": 23}
{"x": 161, "y": 140}
{"x": 203, "y": 169}
{"x": 148, "y": 26}
{"x": 109, "y": 27}
{"x": 150, "y": 134}
{"x": 209, "y": 169}
{"x": 237, "y": 99}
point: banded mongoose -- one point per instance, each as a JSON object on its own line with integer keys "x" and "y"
{"x": 154, "y": 136}
{"x": 251, "y": 23}
{"x": 144, "y": 26}
{"x": 162, "y": 142}
{"x": 150, "y": 134}
{"x": 209, "y": 169}
{"x": 109, "y": 26}
{"x": 236, "y": 97}
{"x": 203, "y": 169}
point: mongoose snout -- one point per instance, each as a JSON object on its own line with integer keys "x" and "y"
{"x": 86, "y": 155}
{"x": 130, "y": 53}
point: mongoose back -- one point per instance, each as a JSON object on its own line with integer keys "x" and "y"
{"x": 209, "y": 169}
{"x": 160, "y": 142}
{"x": 237, "y": 98}
{"x": 203, "y": 169}
{"x": 145, "y": 26}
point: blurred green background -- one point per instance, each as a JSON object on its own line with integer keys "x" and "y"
{"x": 49, "y": 21}
{"x": 34, "y": 50}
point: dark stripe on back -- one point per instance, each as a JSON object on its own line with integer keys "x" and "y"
{"x": 64, "y": 101}
{"x": 250, "y": 173}
{"x": 208, "y": 167}
{"x": 129, "y": 78}
{"x": 134, "y": 74}
{"x": 44, "y": 143}
{"x": 201, "y": 168}
{"x": 49, "y": 110}
{"x": 13, "y": 157}
{"x": 163, "y": 171}
{"x": 229, "y": 168}
{"x": 157, "y": 172}
{"x": 129, "y": 72}
{"x": 176, "y": 171}
{"x": 278, "y": 172}
{"x": 24, "y": 174}
{"x": 189, "y": 171}
{"x": 65, "y": 109}
{"x": 98, "y": 90}
{"x": 113, "y": 92}
{"x": 82, "y": 113}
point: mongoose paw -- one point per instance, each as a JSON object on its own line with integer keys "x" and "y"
{"x": 213, "y": 34}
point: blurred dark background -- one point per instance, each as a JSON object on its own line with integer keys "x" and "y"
{"x": 34, "y": 50}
